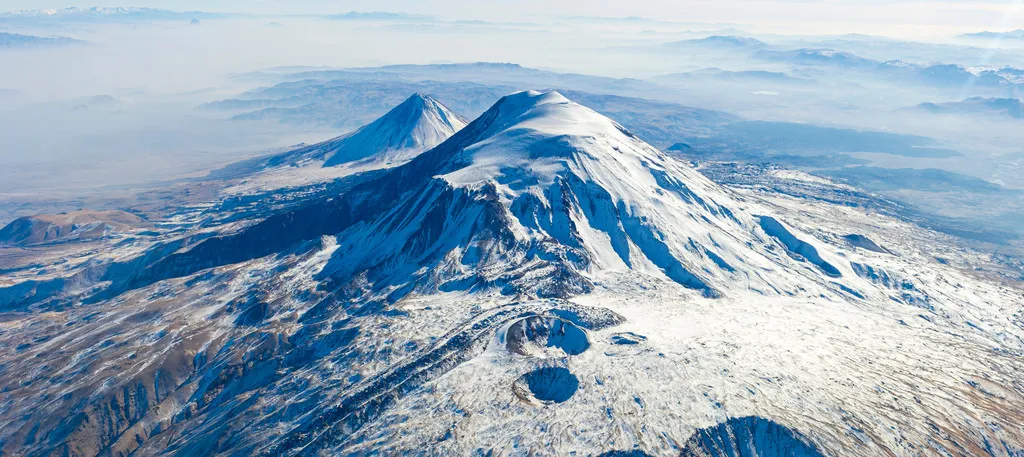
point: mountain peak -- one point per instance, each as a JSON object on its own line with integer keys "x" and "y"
{"x": 415, "y": 125}
{"x": 417, "y": 100}
{"x": 529, "y": 99}
{"x": 511, "y": 108}
{"x": 537, "y": 133}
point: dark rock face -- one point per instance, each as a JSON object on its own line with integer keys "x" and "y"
{"x": 749, "y": 437}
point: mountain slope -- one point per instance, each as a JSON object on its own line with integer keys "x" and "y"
{"x": 79, "y": 225}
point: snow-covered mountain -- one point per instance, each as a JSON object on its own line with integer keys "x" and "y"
{"x": 542, "y": 282}
{"x": 418, "y": 124}
{"x": 536, "y": 197}
{"x": 410, "y": 128}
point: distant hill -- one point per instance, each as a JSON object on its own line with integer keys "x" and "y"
{"x": 818, "y": 57}
{"x": 722, "y": 41}
{"x": 1011, "y": 107}
{"x": 16, "y": 41}
{"x": 76, "y": 225}
{"x": 958, "y": 75}
{"x": 720, "y": 75}
{"x": 986, "y": 35}
{"x": 378, "y": 16}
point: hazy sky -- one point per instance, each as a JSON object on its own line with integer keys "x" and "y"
{"x": 923, "y": 17}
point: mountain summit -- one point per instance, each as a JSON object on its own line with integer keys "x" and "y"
{"x": 416, "y": 125}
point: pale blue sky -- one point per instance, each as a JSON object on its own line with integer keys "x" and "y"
{"x": 919, "y": 19}
{"x": 973, "y": 13}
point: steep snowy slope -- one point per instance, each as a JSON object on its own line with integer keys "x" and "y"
{"x": 541, "y": 283}
{"x": 416, "y": 125}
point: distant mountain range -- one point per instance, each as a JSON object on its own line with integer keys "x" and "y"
{"x": 726, "y": 41}
{"x": 101, "y": 14}
{"x": 816, "y": 57}
{"x": 720, "y": 75}
{"x": 934, "y": 74}
{"x": 958, "y": 75}
{"x": 1011, "y": 107}
{"x": 986, "y": 35}
{"x": 14, "y": 40}
{"x": 379, "y": 16}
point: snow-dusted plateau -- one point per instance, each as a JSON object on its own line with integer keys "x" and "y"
{"x": 538, "y": 281}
